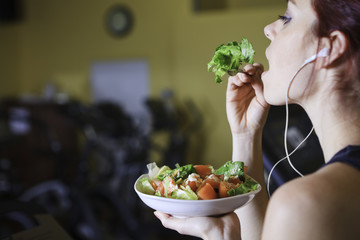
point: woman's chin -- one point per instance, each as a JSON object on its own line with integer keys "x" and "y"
{"x": 273, "y": 99}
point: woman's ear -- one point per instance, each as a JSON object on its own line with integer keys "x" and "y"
{"x": 337, "y": 42}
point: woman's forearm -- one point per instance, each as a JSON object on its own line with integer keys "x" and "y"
{"x": 248, "y": 148}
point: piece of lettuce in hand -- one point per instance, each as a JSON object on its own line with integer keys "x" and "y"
{"x": 145, "y": 186}
{"x": 247, "y": 51}
{"x": 248, "y": 186}
{"x": 230, "y": 169}
{"x": 184, "y": 193}
{"x": 229, "y": 57}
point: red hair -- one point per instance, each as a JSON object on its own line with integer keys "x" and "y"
{"x": 344, "y": 16}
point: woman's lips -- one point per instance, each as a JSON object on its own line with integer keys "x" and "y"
{"x": 267, "y": 57}
{"x": 263, "y": 74}
{"x": 267, "y": 53}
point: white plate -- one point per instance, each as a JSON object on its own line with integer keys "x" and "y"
{"x": 194, "y": 208}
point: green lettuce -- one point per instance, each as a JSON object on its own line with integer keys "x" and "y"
{"x": 162, "y": 172}
{"x": 154, "y": 171}
{"x": 184, "y": 193}
{"x": 166, "y": 182}
{"x": 248, "y": 186}
{"x": 180, "y": 172}
{"x": 232, "y": 169}
{"x": 145, "y": 186}
{"x": 229, "y": 57}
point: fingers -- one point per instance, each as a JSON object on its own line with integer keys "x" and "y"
{"x": 254, "y": 70}
{"x": 257, "y": 69}
{"x": 173, "y": 223}
{"x": 251, "y": 73}
{"x": 251, "y": 76}
{"x": 258, "y": 88}
{"x": 162, "y": 217}
{"x": 238, "y": 80}
{"x": 222, "y": 227}
{"x": 193, "y": 226}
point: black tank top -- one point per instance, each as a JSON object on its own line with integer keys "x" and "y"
{"x": 349, "y": 155}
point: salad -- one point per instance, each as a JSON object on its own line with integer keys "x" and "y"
{"x": 228, "y": 58}
{"x": 197, "y": 182}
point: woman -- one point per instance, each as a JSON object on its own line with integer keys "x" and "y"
{"x": 325, "y": 204}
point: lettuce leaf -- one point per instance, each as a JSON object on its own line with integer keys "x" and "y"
{"x": 153, "y": 170}
{"x": 229, "y": 57}
{"x": 230, "y": 169}
{"x": 145, "y": 186}
{"x": 247, "y": 51}
{"x": 166, "y": 182}
{"x": 180, "y": 172}
{"x": 155, "y": 173}
{"x": 184, "y": 193}
{"x": 248, "y": 186}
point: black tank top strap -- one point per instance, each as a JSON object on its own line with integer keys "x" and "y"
{"x": 349, "y": 155}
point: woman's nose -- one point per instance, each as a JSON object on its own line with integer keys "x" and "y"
{"x": 269, "y": 31}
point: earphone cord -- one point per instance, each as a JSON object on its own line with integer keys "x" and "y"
{"x": 285, "y": 133}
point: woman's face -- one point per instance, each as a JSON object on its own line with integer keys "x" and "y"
{"x": 292, "y": 42}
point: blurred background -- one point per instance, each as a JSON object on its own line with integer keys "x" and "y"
{"x": 91, "y": 91}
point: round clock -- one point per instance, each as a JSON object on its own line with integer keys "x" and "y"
{"x": 119, "y": 21}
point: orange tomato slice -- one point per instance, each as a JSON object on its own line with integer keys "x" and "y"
{"x": 203, "y": 170}
{"x": 206, "y": 191}
{"x": 225, "y": 187}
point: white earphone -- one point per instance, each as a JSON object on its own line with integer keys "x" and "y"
{"x": 322, "y": 53}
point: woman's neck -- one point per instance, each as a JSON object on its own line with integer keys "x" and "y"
{"x": 336, "y": 122}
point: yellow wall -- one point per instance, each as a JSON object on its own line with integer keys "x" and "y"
{"x": 9, "y": 60}
{"x": 58, "y": 40}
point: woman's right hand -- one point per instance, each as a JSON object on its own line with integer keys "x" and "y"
{"x": 245, "y": 104}
{"x": 219, "y": 227}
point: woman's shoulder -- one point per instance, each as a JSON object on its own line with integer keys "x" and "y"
{"x": 323, "y": 204}
{"x": 333, "y": 181}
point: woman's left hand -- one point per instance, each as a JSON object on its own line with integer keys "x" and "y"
{"x": 246, "y": 107}
{"x": 223, "y": 227}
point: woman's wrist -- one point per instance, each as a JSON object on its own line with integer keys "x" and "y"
{"x": 247, "y": 147}
{"x": 227, "y": 227}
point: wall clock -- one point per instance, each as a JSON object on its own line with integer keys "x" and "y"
{"x": 119, "y": 21}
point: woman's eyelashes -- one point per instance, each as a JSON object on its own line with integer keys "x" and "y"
{"x": 284, "y": 19}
